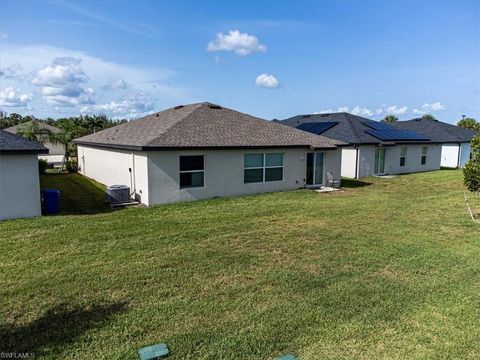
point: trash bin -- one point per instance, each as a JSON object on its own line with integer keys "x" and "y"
{"x": 51, "y": 201}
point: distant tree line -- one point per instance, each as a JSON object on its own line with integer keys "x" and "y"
{"x": 70, "y": 128}
{"x": 82, "y": 124}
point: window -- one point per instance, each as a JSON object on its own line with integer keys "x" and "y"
{"x": 192, "y": 171}
{"x": 403, "y": 156}
{"x": 423, "y": 161}
{"x": 263, "y": 168}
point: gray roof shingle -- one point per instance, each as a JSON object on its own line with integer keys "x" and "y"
{"x": 436, "y": 130}
{"x": 14, "y": 144}
{"x": 41, "y": 126}
{"x": 203, "y": 125}
{"x": 350, "y": 128}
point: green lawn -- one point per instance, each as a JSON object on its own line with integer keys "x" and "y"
{"x": 386, "y": 270}
{"x": 78, "y": 195}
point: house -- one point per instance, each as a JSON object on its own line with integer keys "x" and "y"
{"x": 55, "y": 151}
{"x": 19, "y": 176}
{"x": 374, "y": 148}
{"x": 203, "y": 150}
{"x": 454, "y": 139}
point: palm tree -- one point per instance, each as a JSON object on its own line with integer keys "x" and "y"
{"x": 65, "y": 138}
{"x": 390, "y": 119}
{"x": 31, "y": 131}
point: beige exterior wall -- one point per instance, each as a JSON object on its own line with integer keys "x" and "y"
{"x": 392, "y": 159}
{"x": 19, "y": 186}
{"x": 111, "y": 167}
{"x": 157, "y": 173}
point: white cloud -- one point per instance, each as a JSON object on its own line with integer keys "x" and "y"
{"x": 419, "y": 112}
{"x": 14, "y": 72}
{"x": 339, "y": 109}
{"x": 115, "y": 84}
{"x": 437, "y": 106}
{"x": 11, "y": 97}
{"x": 267, "y": 81}
{"x": 131, "y": 106}
{"x": 61, "y": 83}
{"x": 240, "y": 43}
{"x": 97, "y": 72}
{"x": 395, "y": 110}
{"x": 361, "y": 111}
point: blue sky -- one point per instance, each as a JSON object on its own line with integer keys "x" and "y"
{"x": 272, "y": 59}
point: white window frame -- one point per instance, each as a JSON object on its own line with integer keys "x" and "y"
{"x": 404, "y": 156}
{"x": 263, "y": 168}
{"x": 191, "y": 171}
{"x": 424, "y": 155}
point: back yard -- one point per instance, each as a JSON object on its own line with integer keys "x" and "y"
{"x": 385, "y": 269}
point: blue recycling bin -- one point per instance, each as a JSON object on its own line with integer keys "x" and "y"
{"x": 51, "y": 201}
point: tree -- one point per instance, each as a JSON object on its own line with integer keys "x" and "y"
{"x": 390, "y": 119}
{"x": 471, "y": 171}
{"x": 469, "y": 123}
{"x": 31, "y": 131}
{"x": 69, "y": 131}
{"x": 428, "y": 117}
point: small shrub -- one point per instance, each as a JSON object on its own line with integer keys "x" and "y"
{"x": 71, "y": 166}
{"x": 42, "y": 166}
{"x": 471, "y": 171}
{"x": 471, "y": 174}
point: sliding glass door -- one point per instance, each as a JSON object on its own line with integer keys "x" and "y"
{"x": 314, "y": 176}
{"x": 379, "y": 161}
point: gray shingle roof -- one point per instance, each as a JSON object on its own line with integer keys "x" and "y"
{"x": 203, "y": 125}
{"x": 41, "y": 126}
{"x": 14, "y": 144}
{"x": 436, "y": 130}
{"x": 350, "y": 128}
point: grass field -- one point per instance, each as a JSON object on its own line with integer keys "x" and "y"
{"x": 386, "y": 269}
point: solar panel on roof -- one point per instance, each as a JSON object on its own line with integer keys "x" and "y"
{"x": 317, "y": 127}
{"x": 386, "y": 132}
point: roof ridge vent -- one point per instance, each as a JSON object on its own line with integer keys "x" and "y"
{"x": 178, "y": 107}
{"x": 213, "y": 106}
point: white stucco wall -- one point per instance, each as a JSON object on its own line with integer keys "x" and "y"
{"x": 465, "y": 149}
{"x": 450, "y": 155}
{"x": 413, "y": 162}
{"x": 349, "y": 162}
{"x": 224, "y": 173}
{"x": 392, "y": 159}
{"x": 111, "y": 167}
{"x": 51, "y": 159}
{"x": 366, "y": 160}
{"x": 19, "y": 186}
{"x": 157, "y": 173}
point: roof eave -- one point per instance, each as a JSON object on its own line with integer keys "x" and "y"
{"x": 165, "y": 148}
{"x": 20, "y": 151}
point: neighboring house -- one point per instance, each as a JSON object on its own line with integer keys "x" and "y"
{"x": 55, "y": 151}
{"x": 204, "y": 150}
{"x": 454, "y": 139}
{"x": 375, "y": 148}
{"x": 19, "y": 177}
